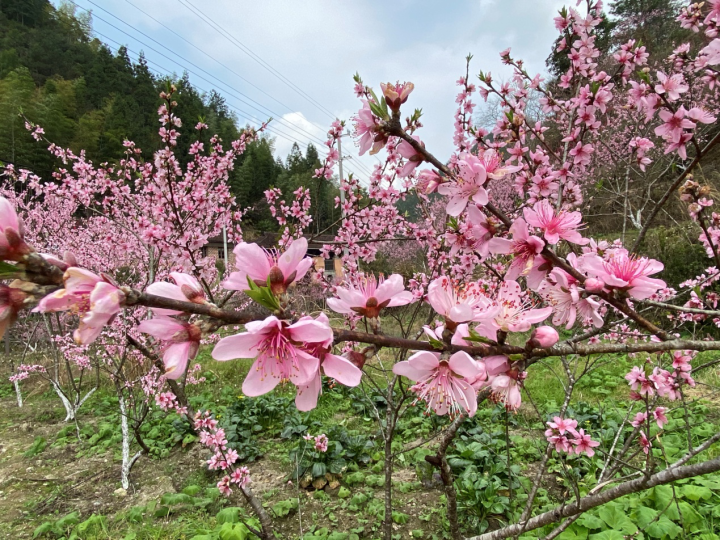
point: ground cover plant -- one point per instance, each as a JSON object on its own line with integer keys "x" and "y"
{"x": 528, "y": 379}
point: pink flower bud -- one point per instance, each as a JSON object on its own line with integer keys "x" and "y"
{"x": 544, "y": 336}
{"x": 593, "y": 285}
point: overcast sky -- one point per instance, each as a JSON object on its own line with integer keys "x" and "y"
{"x": 277, "y": 50}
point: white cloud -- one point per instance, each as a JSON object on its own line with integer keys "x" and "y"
{"x": 297, "y": 126}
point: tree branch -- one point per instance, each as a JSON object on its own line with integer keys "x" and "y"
{"x": 665, "y": 476}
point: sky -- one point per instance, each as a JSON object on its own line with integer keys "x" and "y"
{"x": 294, "y": 61}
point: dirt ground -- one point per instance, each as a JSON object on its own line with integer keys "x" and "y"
{"x": 57, "y": 482}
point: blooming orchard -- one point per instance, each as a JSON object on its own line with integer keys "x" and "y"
{"x": 509, "y": 264}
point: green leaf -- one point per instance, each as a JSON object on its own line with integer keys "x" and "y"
{"x": 228, "y": 515}
{"x": 43, "y": 529}
{"x": 607, "y": 535}
{"x": 663, "y": 528}
{"x": 172, "y": 499}
{"x": 344, "y": 493}
{"x": 643, "y": 76}
{"x": 695, "y": 493}
{"x": 474, "y": 336}
{"x": 689, "y": 514}
{"x": 68, "y": 521}
{"x": 93, "y": 523}
{"x": 662, "y": 495}
{"x": 237, "y": 531}
{"x": 318, "y": 469}
{"x": 283, "y": 508}
{"x": 574, "y": 533}
{"x": 262, "y": 295}
{"x": 643, "y": 515}
{"x": 192, "y": 490}
{"x": 400, "y": 518}
{"x": 7, "y": 271}
{"x": 386, "y": 112}
{"x": 162, "y": 512}
{"x": 590, "y": 521}
{"x": 617, "y": 519}
{"x": 212, "y": 493}
{"x": 354, "y": 478}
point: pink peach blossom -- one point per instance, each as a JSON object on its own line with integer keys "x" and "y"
{"x": 659, "y": 416}
{"x": 674, "y": 124}
{"x": 584, "y": 443}
{"x": 506, "y": 390}
{"x": 340, "y": 368}
{"x": 90, "y": 296}
{"x": 181, "y": 342}
{"x": 275, "y": 345}
{"x": 671, "y": 86}
{"x": 11, "y": 301}
{"x": 368, "y": 129}
{"x": 105, "y": 303}
{"x": 555, "y": 226}
{"x": 619, "y": 270}
{"x": 442, "y": 384}
{"x": 560, "y": 290}
{"x": 468, "y": 185}
{"x": 544, "y": 336}
{"x": 412, "y": 157}
{"x": 458, "y": 304}
{"x": 259, "y": 265}
{"x": 12, "y": 232}
{"x": 523, "y": 246}
{"x": 370, "y": 296}
{"x": 396, "y": 94}
{"x": 515, "y": 313}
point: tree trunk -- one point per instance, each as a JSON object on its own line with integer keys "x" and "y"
{"x": 127, "y": 461}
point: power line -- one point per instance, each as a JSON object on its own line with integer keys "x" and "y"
{"x": 359, "y": 165}
{"x": 274, "y": 130}
{"x": 251, "y": 118}
{"x": 238, "y": 44}
{"x": 225, "y": 66}
{"x": 279, "y": 117}
{"x": 244, "y": 114}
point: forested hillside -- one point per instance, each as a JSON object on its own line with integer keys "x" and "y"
{"x": 54, "y": 73}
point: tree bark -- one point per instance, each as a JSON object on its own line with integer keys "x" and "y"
{"x": 665, "y": 476}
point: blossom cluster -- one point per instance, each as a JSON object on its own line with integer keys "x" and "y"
{"x": 661, "y": 381}
{"x": 223, "y": 457}
{"x": 320, "y": 441}
{"x": 564, "y": 436}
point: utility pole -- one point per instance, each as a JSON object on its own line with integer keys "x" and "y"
{"x": 342, "y": 191}
{"x": 225, "y": 247}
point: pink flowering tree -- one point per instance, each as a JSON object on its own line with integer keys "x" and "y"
{"x": 131, "y": 224}
{"x": 511, "y": 278}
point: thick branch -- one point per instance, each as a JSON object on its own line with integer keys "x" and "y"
{"x": 134, "y": 297}
{"x": 586, "y": 503}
